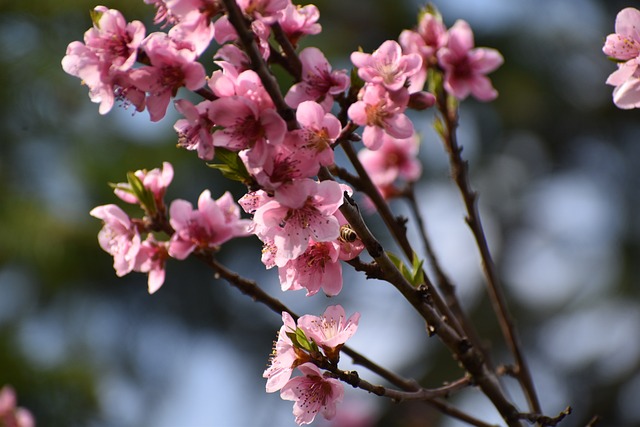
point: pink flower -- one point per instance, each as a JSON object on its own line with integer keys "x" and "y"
{"x": 318, "y": 267}
{"x": 151, "y": 259}
{"x": 155, "y": 180}
{"x": 297, "y": 21}
{"x": 212, "y": 224}
{"x": 172, "y": 67}
{"x": 119, "y": 237}
{"x": 245, "y": 124}
{"x": 298, "y": 212}
{"x": 283, "y": 358}
{"x": 10, "y": 414}
{"x": 318, "y": 83}
{"x": 624, "y": 45}
{"x": 465, "y": 66}
{"x": 381, "y": 112}
{"x": 319, "y": 131}
{"x": 273, "y": 165}
{"x": 103, "y": 62}
{"x": 426, "y": 40}
{"x": 267, "y": 11}
{"x": 331, "y": 330}
{"x": 387, "y": 65}
{"x": 194, "y": 131}
{"x": 312, "y": 393}
{"x": 395, "y": 159}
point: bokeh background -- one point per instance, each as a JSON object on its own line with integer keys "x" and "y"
{"x": 556, "y": 165}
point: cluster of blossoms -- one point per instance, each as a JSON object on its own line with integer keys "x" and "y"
{"x": 624, "y": 47}
{"x": 206, "y": 228}
{"x": 12, "y": 415}
{"x": 299, "y": 345}
{"x": 295, "y": 216}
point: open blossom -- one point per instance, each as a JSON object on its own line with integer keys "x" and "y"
{"x": 266, "y": 11}
{"x": 624, "y": 45}
{"x": 151, "y": 260}
{"x": 319, "y": 83}
{"x": 283, "y": 359}
{"x": 296, "y": 21}
{"x": 387, "y": 65}
{"x": 331, "y": 330}
{"x": 105, "y": 58}
{"x": 395, "y": 159}
{"x": 172, "y": 67}
{"x": 194, "y": 131}
{"x": 381, "y": 111}
{"x": 212, "y": 224}
{"x": 317, "y": 268}
{"x": 319, "y": 131}
{"x": 245, "y": 124}
{"x": 313, "y": 393}
{"x": 119, "y": 237}
{"x": 10, "y": 414}
{"x": 425, "y": 40}
{"x": 465, "y": 67}
{"x": 297, "y": 213}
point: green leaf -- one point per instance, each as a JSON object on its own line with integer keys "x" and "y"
{"x": 231, "y": 166}
{"x": 144, "y": 195}
{"x": 416, "y": 274}
{"x": 95, "y": 17}
{"x": 406, "y": 273}
{"x": 300, "y": 340}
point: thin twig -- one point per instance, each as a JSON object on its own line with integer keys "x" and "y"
{"x": 460, "y": 174}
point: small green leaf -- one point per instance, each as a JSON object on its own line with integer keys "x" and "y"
{"x": 406, "y": 273}
{"x": 438, "y": 125}
{"x": 231, "y": 166}
{"x": 416, "y": 274}
{"x": 299, "y": 340}
{"x": 95, "y": 17}
{"x": 144, "y": 196}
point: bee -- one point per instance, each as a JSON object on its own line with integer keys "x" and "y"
{"x": 347, "y": 234}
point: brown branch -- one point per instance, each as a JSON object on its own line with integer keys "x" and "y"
{"x": 460, "y": 174}
{"x": 247, "y": 39}
{"x": 445, "y": 285}
{"x": 294, "y": 65}
{"x": 463, "y": 351}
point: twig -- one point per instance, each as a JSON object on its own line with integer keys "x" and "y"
{"x": 470, "y": 357}
{"x": 444, "y": 283}
{"x": 547, "y": 421}
{"x": 295, "y": 66}
{"x": 247, "y": 38}
{"x": 460, "y": 174}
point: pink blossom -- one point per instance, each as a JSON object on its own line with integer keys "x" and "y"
{"x": 624, "y": 46}
{"x": 381, "y": 112}
{"x": 225, "y": 32}
{"x": 319, "y": 130}
{"x": 331, "y": 330}
{"x": 296, "y": 21}
{"x": 172, "y": 67}
{"x": 119, "y": 237}
{"x": 251, "y": 201}
{"x": 245, "y": 125}
{"x": 395, "y": 159}
{"x": 299, "y": 212}
{"x": 151, "y": 260}
{"x": 194, "y": 131}
{"x": 10, "y": 414}
{"x": 229, "y": 81}
{"x": 349, "y": 243}
{"x": 426, "y": 40}
{"x": 318, "y": 267}
{"x": 212, "y": 224}
{"x": 283, "y": 358}
{"x": 273, "y": 165}
{"x": 319, "y": 83}
{"x": 312, "y": 393}
{"x": 103, "y": 62}
{"x": 156, "y": 181}
{"x": 267, "y": 11}
{"x": 115, "y": 41}
{"x": 387, "y": 65}
{"x": 465, "y": 66}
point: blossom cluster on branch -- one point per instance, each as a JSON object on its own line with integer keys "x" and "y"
{"x": 279, "y": 142}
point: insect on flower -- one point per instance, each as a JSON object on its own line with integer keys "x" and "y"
{"x": 348, "y": 234}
